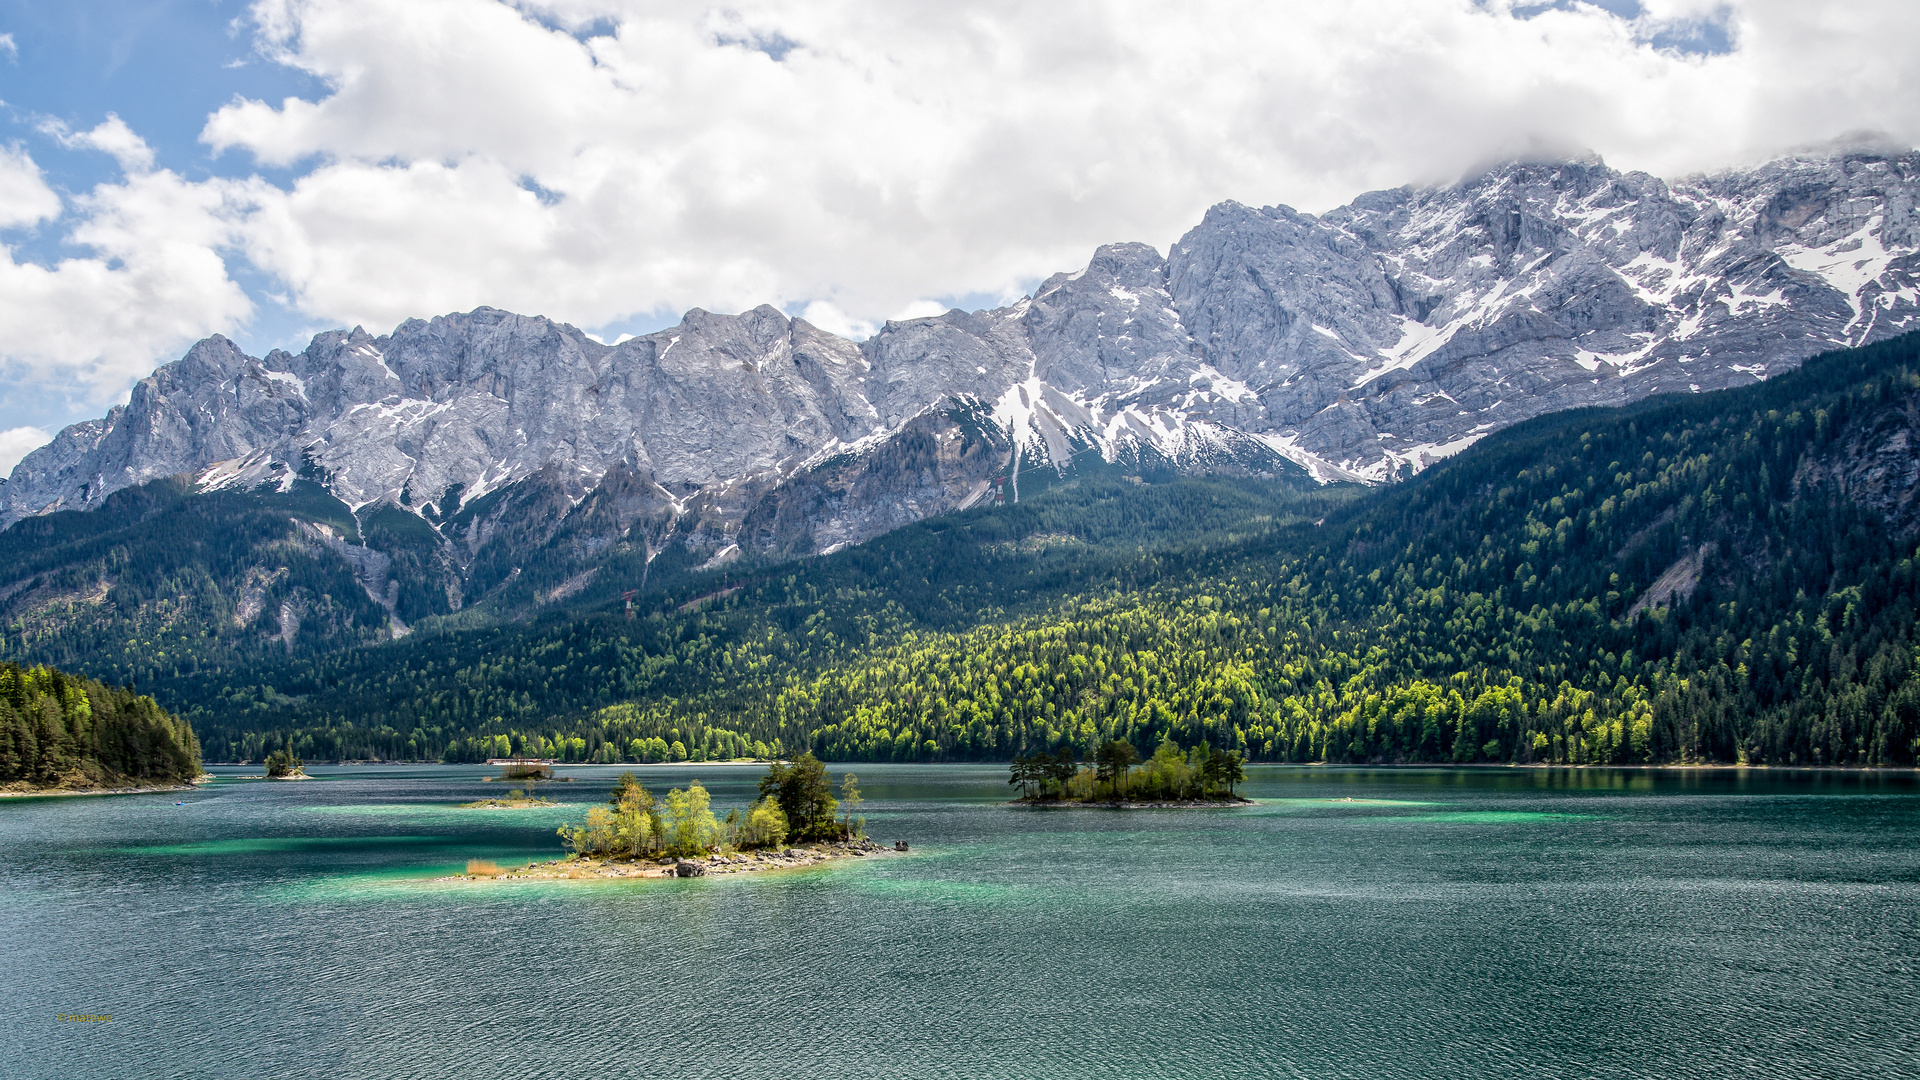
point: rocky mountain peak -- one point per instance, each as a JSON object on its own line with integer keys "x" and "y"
{"x": 1359, "y": 344}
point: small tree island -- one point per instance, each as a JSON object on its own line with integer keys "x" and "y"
{"x": 636, "y": 834}
{"x": 1171, "y": 777}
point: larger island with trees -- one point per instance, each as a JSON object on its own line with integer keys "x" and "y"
{"x": 797, "y": 821}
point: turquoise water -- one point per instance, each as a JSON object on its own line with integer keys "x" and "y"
{"x": 1355, "y": 923}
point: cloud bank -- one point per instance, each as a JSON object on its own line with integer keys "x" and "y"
{"x": 16, "y": 443}
{"x": 597, "y": 160}
{"x": 154, "y": 278}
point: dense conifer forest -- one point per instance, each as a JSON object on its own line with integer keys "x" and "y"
{"x": 1715, "y": 577}
{"x": 160, "y": 579}
{"x": 59, "y": 730}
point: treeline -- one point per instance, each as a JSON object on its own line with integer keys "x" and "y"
{"x": 589, "y": 687}
{"x": 621, "y": 733}
{"x": 160, "y": 582}
{"x": 59, "y": 730}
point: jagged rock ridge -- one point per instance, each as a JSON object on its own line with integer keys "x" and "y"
{"x": 1358, "y": 345}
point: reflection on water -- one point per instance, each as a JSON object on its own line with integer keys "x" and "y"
{"x": 1354, "y": 923}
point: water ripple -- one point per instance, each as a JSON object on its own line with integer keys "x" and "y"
{"x": 1439, "y": 924}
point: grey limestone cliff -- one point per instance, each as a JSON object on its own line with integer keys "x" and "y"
{"x": 1361, "y": 344}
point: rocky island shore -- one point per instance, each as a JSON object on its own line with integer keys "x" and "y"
{"x": 512, "y": 800}
{"x": 82, "y": 785}
{"x": 584, "y": 867}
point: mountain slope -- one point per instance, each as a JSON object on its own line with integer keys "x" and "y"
{"x": 491, "y": 466}
{"x": 725, "y": 638}
{"x": 1722, "y": 577}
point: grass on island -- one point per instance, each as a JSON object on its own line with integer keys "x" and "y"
{"x": 484, "y": 868}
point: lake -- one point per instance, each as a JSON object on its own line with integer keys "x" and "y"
{"x": 1355, "y": 923}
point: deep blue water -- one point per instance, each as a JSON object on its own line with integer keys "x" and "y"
{"x": 1443, "y": 923}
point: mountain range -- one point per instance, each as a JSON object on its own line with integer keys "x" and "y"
{"x": 494, "y": 458}
{"x": 1727, "y": 576}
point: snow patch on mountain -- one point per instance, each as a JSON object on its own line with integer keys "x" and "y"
{"x": 1361, "y": 345}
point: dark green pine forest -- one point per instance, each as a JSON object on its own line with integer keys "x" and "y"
{"x": 1724, "y": 577}
{"x": 60, "y": 730}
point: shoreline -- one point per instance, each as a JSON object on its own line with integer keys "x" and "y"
{"x": 1643, "y": 765}
{"x": 143, "y": 789}
{"x": 590, "y": 868}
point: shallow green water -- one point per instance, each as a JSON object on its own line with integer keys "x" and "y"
{"x": 1356, "y": 923}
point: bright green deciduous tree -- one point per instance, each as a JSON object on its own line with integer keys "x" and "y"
{"x": 850, "y": 800}
{"x": 691, "y": 829}
{"x": 637, "y": 826}
{"x": 766, "y": 824}
{"x": 596, "y": 837}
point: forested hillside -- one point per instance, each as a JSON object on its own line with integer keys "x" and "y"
{"x": 59, "y": 730}
{"x": 1723, "y": 577}
{"x": 160, "y": 579}
{"x": 697, "y": 656}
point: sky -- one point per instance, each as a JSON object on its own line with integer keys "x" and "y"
{"x": 171, "y": 169}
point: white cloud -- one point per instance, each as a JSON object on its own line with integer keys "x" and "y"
{"x": 16, "y": 443}
{"x": 591, "y": 160}
{"x": 111, "y": 136}
{"x": 7, "y": 46}
{"x": 25, "y": 198}
{"x": 155, "y": 279}
{"x": 827, "y": 315}
{"x": 595, "y": 159}
{"x": 919, "y": 309}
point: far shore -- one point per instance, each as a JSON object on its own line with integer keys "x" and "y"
{"x": 1668, "y": 766}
